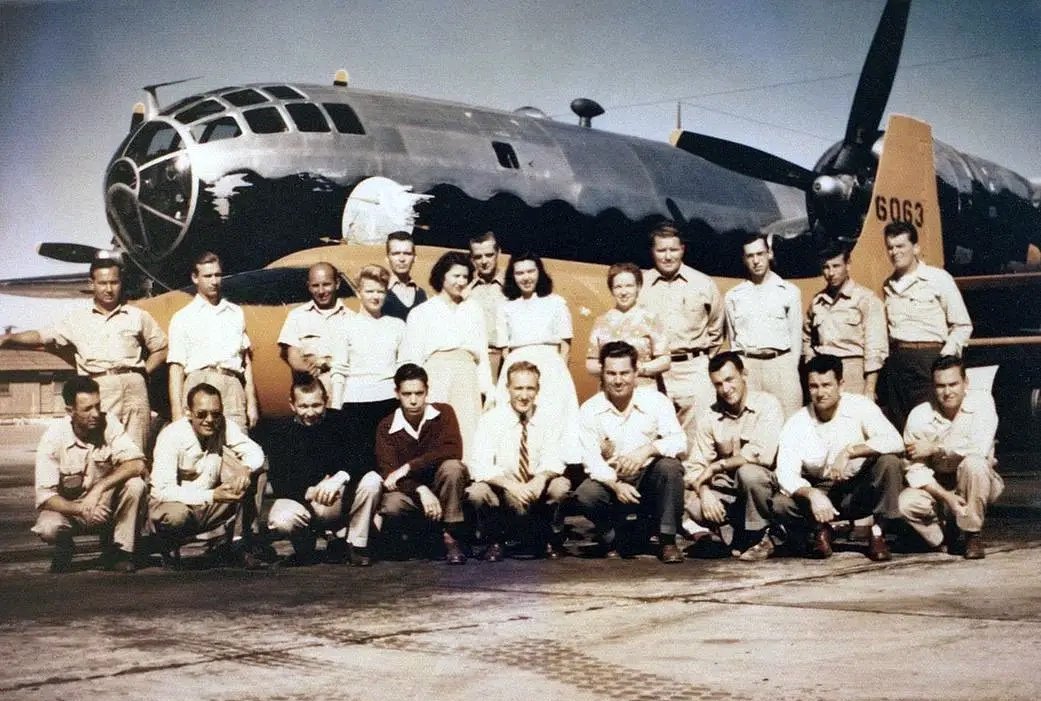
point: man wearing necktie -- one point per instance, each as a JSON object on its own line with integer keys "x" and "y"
{"x": 517, "y": 466}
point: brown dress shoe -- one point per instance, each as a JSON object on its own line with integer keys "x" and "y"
{"x": 671, "y": 554}
{"x": 821, "y": 547}
{"x": 453, "y": 553}
{"x": 974, "y": 549}
{"x": 878, "y": 549}
{"x": 758, "y": 552}
{"x": 493, "y": 553}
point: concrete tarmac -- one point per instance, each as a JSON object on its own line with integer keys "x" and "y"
{"x": 923, "y": 626}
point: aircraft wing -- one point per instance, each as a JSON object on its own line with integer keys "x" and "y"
{"x": 68, "y": 286}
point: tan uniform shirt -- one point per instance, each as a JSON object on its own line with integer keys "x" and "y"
{"x": 850, "y": 325}
{"x": 925, "y": 305}
{"x": 767, "y": 316}
{"x": 315, "y": 331}
{"x": 971, "y": 432}
{"x": 689, "y": 306}
{"x": 752, "y": 433}
{"x": 491, "y": 297}
{"x": 207, "y": 335}
{"x": 108, "y": 340}
{"x": 69, "y": 467}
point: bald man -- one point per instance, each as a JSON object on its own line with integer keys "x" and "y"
{"x": 311, "y": 330}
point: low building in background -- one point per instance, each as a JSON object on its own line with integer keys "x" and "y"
{"x": 31, "y": 382}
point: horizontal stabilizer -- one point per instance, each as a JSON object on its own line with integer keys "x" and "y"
{"x": 71, "y": 286}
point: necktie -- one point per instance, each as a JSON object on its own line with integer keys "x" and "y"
{"x": 523, "y": 462}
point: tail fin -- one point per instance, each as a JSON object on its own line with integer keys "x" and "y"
{"x": 905, "y": 189}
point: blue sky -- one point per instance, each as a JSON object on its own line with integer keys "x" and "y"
{"x": 775, "y": 74}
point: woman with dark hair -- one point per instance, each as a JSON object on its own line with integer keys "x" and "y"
{"x": 632, "y": 323}
{"x": 446, "y": 335}
{"x": 535, "y": 325}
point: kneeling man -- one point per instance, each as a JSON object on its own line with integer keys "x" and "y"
{"x": 206, "y": 470}
{"x": 89, "y": 477}
{"x": 735, "y": 443}
{"x": 838, "y": 457}
{"x": 517, "y": 466}
{"x": 950, "y": 442}
{"x": 419, "y": 454}
{"x": 631, "y": 440}
{"x": 307, "y": 457}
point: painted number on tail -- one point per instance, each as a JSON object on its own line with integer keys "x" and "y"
{"x": 896, "y": 209}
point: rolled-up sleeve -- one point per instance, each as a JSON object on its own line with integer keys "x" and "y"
{"x": 789, "y": 458}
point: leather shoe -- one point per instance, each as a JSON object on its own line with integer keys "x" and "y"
{"x": 493, "y": 553}
{"x": 974, "y": 549}
{"x": 553, "y": 551}
{"x": 360, "y": 557}
{"x": 671, "y": 554}
{"x": 821, "y": 547}
{"x": 878, "y": 549}
{"x": 120, "y": 561}
{"x": 61, "y": 559}
{"x": 758, "y": 552}
{"x": 337, "y": 552}
{"x": 453, "y": 553}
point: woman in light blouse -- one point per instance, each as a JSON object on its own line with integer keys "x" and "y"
{"x": 535, "y": 325}
{"x": 629, "y": 322}
{"x": 364, "y": 362}
{"x": 447, "y": 336}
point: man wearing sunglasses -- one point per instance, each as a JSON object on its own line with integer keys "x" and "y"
{"x": 206, "y": 470}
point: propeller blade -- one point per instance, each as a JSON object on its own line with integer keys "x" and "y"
{"x": 154, "y": 86}
{"x": 68, "y": 252}
{"x": 744, "y": 159}
{"x": 876, "y": 78}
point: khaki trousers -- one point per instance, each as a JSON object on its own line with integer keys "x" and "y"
{"x": 975, "y": 481}
{"x": 291, "y": 519}
{"x": 744, "y": 495}
{"x": 127, "y": 503}
{"x": 688, "y": 386}
{"x": 125, "y": 398}
{"x": 232, "y": 393}
{"x": 780, "y": 377}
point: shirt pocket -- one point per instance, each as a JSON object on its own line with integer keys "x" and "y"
{"x": 129, "y": 344}
{"x": 70, "y": 484}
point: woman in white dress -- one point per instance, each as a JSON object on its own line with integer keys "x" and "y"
{"x": 363, "y": 367}
{"x": 446, "y": 335}
{"x": 535, "y": 325}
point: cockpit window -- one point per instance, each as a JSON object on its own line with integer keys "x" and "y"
{"x": 203, "y": 109}
{"x": 345, "y": 118}
{"x": 307, "y": 116}
{"x": 245, "y": 98}
{"x": 269, "y": 287}
{"x": 154, "y": 140}
{"x": 284, "y": 92}
{"x": 265, "y": 120}
{"x": 216, "y": 130}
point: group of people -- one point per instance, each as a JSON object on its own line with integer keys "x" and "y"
{"x": 457, "y": 413}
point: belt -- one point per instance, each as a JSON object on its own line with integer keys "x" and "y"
{"x": 767, "y": 354}
{"x": 241, "y": 377}
{"x": 918, "y": 345}
{"x": 680, "y": 356}
{"x": 116, "y": 371}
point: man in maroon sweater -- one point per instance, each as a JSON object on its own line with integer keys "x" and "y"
{"x": 419, "y": 453}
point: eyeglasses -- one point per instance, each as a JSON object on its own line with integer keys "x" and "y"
{"x": 203, "y": 415}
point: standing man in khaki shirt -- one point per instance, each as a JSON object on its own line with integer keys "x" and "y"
{"x": 950, "y": 441}
{"x": 208, "y": 344}
{"x": 848, "y": 321}
{"x": 689, "y": 305}
{"x": 487, "y": 290}
{"x": 927, "y": 318}
{"x": 313, "y": 330}
{"x": 89, "y": 476}
{"x": 731, "y": 459}
{"x": 116, "y": 345}
{"x": 764, "y": 325}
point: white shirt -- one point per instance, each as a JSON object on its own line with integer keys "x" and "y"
{"x": 650, "y": 417}
{"x": 207, "y": 335}
{"x": 315, "y": 331}
{"x": 185, "y": 472}
{"x": 366, "y": 357}
{"x": 534, "y": 321}
{"x": 971, "y": 432}
{"x": 441, "y": 325}
{"x": 400, "y": 423}
{"x": 496, "y": 449}
{"x": 767, "y": 316}
{"x": 807, "y": 445}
